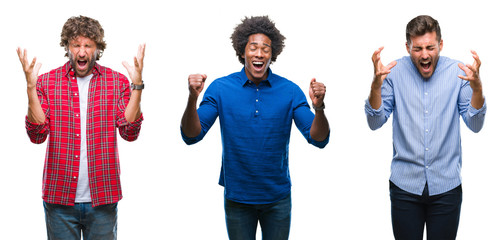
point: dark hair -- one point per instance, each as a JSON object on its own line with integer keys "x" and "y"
{"x": 421, "y": 25}
{"x": 85, "y": 27}
{"x": 253, "y": 25}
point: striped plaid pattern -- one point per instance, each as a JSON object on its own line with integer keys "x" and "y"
{"x": 109, "y": 94}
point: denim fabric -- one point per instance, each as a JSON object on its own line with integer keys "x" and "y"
{"x": 70, "y": 222}
{"x": 274, "y": 219}
{"x": 440, "y": 213}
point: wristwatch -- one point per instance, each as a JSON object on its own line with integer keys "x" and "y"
{"x": 319, "y": 108}
{"x": 137, "y": 87}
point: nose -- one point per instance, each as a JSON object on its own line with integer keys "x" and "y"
{"x": 260, "y": 53}
{"x": 81, "y": 52}
{"x": 424, "y": 54}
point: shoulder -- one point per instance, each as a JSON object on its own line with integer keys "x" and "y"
{"x": 109, "y": 73}
{"x": 232, "y": 79}
{"x": 55, "y": 73}
{"x": 447, "y": 62}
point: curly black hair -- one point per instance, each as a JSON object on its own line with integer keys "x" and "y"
{"x": 254, "y": 25}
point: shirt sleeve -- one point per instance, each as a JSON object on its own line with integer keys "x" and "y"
{"x": 473, "y": 118}
{"x": 303, "y": 118}
{"x": 208, "y": 113}
{"x": 128, "y": 131}
{"x": 378, "y": 117}
{"x": 38, "y": 132}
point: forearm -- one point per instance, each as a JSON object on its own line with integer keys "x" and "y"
{"x": 320, "y": 127}
{"x": 133, "y": 110}
{"x": 191, "y": 126}
{"x": 477, "y": 100}
{"x": 375, "y": 98}
{"x": 35, "y": 112}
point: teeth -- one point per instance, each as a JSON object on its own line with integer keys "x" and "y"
{"x": 258, "y": 63}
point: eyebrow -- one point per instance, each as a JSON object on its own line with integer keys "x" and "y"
{"x": 255, "y": 43}
{"x": 429, "y": 46}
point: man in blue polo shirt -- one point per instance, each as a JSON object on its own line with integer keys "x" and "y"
{"x": 256, "y": 108}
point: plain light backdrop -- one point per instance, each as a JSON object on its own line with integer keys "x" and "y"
{"x": 171, "y": 190}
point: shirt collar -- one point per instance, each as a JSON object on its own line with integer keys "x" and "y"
{"x": 68, "y": 69}
{"x": 244, "y": 79}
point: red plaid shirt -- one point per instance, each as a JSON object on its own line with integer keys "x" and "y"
{"x": 109, "y": 94}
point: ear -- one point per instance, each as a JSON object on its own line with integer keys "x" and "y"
{"x": 407, "y": 47}
{"x": 441, "y": 45}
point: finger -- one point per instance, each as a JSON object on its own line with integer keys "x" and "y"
{"x": 136, "y": 63}
{"x": 141, "y": 53}
{"x": 477, "y": 59}
{"x": 33, "y": 62}
{"x": 19, "y": 54}
{"x": 128, "y": 67}
{"x": 37, "y": 68}
{"x": 465, "y": 78}
{"x": 377, "y": 56}
{"x": 204, "y": 77}
{"x": 391, "y": 65}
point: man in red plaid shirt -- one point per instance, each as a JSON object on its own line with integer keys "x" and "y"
{"x": 79, "y": 106}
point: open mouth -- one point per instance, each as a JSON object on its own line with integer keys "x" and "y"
{"x": 425, "y": 65}
{"x": 258, "y": 65}
{"x": 82, "y": 63}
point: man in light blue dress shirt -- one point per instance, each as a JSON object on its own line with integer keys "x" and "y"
{"x": 427, "y": 93}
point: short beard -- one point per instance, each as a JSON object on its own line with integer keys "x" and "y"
{"x": 91, "y": 63}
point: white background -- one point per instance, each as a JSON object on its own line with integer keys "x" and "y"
{"x": 170, "y": 189}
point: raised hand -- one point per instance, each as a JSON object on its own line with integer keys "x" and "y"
{"x": 136, "y": 71}
{"x": 380, "y": 71}
{"x": 196, "y": 84}
{"x": 317, "y": 92}
{"x": 472, "y": 72}
{"x": 30, "y": 69}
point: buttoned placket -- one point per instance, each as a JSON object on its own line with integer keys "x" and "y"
{"x": 426, "y": 96}
{"x": 76, "y": 121}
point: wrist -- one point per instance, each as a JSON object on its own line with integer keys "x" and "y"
{"x": 319, "y": 108}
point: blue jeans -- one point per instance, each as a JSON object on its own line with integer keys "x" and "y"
{"x": 67, "y": 222}
{"x": 410, "y": 212}
{"x": 274, "y": 218}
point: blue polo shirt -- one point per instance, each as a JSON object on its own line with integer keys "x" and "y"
{"x": 255, "y": 124}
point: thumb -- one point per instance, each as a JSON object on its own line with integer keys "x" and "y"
{"x": 37, "y": 68}
{"x": 313, "y": 80}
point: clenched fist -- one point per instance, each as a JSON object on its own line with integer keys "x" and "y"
{"x": 196, "y": 84}
{"x": 317, "y": 93}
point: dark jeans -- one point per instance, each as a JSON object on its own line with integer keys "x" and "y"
{"x": 410, "y": 212}
{"x": 70, "y": 222}
{"x": 274, "y": 218}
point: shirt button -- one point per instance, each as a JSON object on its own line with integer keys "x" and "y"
{"x": 427, "y": 167}
{"x": 427, "y": 149}
{"x": 257, "y": 89}
{"x": 256, "y": 111}
{"x": 426, "y": 111}
{"x": 427, "y": 130}
{"x": 76, "y": 115}
{"x": 425, "y": 93}
{"x": 78, "y": 134}
{"x": 76, "y": 156}
{"x": 75, "y": 94}
{"x": 256, "y": 100}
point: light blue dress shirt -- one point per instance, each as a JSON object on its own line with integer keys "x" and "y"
{"x": 426, "y": 124}
{"x": 255, "y": 124}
